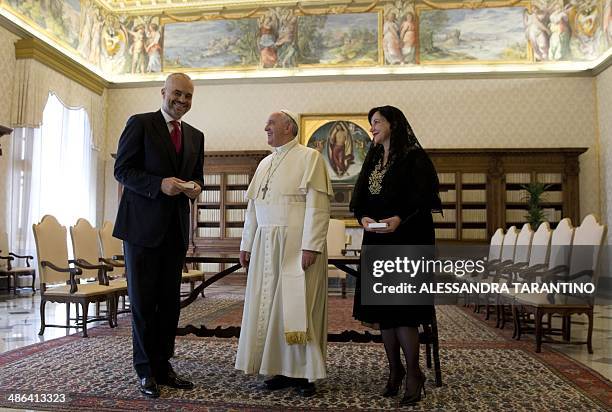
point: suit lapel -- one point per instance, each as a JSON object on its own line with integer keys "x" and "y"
{"x": 164, "y": 136}
{"x": 187, "y": 150}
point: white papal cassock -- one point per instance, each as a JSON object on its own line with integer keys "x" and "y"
{"x": 291, "y": 217}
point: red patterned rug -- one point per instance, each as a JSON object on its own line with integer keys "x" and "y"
{"x": 482, "y": 370}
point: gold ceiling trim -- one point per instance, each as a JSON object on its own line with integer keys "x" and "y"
{"x": 219, "y": 7}
{"x": 210, "y": 16}
{"x": 40, "y": 51}
{"x": 346, "y": 8}
{"x": 479, "y": 4}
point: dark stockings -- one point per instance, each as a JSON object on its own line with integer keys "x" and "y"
{"x": 408, "y": 339}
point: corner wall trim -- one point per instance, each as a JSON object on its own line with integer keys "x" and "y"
{"x": 33, "y": 48}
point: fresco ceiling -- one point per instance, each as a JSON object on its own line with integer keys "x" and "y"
{"x": 126, "y": 41}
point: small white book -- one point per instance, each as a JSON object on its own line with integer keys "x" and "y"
{"x": 187, "y": 185}
{"x": 377, "y": 225}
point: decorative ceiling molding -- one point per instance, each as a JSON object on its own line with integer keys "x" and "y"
{"x": 33, "y": 48}
{"x": 185, "y": 6}
{"x": 141, "y": 41}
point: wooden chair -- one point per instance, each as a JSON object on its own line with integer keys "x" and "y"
{"x": 493, "y": 266}
{"x": 503, "y": 274}
{"x": 86, "y": 252}
{"x": 584, "y": 259}
{"x": 495, "y": 249}
{"x": 538, "y": 260}
{"x": 429, "y": 337}
{"x": 336, "y": 238}
{"x": 557, "y": 261}
{"x": 110, "y": 247}
{"x": 9, "y": 270}
{"x": 59, "y": 280}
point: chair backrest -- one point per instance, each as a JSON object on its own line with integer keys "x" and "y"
{"x": 561, "y": 244}
{"x": 109, "y": 246}
{"x": 495, "y": 248}
{"x": 336, "y": 236}
{"x": 50, "y": 239}
{"x": 4, "y": 249}
{"x": 85, "y": 245}
{"x": 523, "y": 244}
{"x": 586, "y": 247}
{"x": 509, "y": 246}
{"x": 540, "y": 245}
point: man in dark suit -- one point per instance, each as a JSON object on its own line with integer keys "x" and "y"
{"x": 160, "y": 165}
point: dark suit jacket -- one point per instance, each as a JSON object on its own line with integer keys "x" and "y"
{"x": 145, "y": 156}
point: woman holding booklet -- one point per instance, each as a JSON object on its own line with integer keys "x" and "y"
{"x": 393, "y": 199}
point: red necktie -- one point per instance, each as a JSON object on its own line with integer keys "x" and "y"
{"x": 175, "y": 135}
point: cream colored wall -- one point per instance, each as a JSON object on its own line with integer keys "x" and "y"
{"x": 7, "y": 64}
{"x": 547, "y": 112}
{"x": 604, "y": 117}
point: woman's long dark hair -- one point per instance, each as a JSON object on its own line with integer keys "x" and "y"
{"x": 402, "y": 137}
{"x": 402, "y": 140}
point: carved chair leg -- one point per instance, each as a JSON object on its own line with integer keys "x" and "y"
{"x": 67, "y": 313}
{"x": 43, "y": 302}
{"x": 538, "y": 330}
{"x": 116, "y": 310}
{"x": 85, "y": 306}
{"x": 517, "y": 322}
{"x": 436, "y": 352}
{"x": 427, "y": 336}
{"x": 497, "y": 316}
{"x": 590, "y": 332}
{"x": 33, "y": 282}
{"x": 343, "y": 283}
{"x": 568, "y": 328}
{"x": 109, "y": 310}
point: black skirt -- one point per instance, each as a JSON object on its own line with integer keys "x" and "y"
{"x": 416, "y": 231}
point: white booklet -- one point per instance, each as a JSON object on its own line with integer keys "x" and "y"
{"x": 187, "y": 185}
{"x": 377, "y": 225}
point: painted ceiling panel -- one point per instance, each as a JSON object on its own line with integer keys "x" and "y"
{"x": 140, "y": 40}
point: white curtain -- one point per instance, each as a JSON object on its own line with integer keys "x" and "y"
{"x": 20, "y": 226}
{"x": 54, "y": 172}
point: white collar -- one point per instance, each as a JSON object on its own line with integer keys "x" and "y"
{"x": 287, "y": 146}
{"x": 169, "y": 118}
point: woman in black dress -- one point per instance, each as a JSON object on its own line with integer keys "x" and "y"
{"x": 398, "y": 185}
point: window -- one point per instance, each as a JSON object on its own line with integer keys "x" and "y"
{"x": 54, "y": 172}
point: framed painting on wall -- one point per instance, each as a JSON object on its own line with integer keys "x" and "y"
{"x": 343, "y": 140}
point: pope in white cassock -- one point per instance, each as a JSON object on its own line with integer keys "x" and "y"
{"x": 284, "y": 322}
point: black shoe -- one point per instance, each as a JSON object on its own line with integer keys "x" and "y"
{"x": 306, "y": 389}
{"x": 174, "y": 381}
{"x": 393, "y": 384}
{"x": 148, "y": 386}
{"x": 279, "y": 382}
{"x": 412, "y": 398}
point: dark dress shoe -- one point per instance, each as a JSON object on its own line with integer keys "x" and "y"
{"x": 174, "y": 381}
{"x": 307, "y": 389}
{"x": 148, "y": 386}
{"x": 279, "y": 382}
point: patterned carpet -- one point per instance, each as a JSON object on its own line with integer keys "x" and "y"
{"x": 482, "y": 370}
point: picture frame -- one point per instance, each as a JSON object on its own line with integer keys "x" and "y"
{"x": 343, "y": 139}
